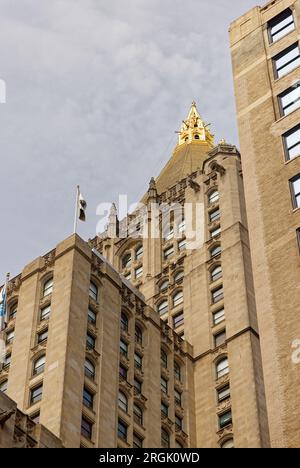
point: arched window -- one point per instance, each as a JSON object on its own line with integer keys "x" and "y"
{"x": 126, "y": 261}
{"x": 3, "y": 386}
{"x": 137, "y": 415}
{"x": 163, "y": 307}
{"x": 89, "y": 369}
{"x": 197, "y": 137}
{"x": 48, "y": 287}
{"x": 124, "y": 322}
{"x": 216, "y": 273}
{"x": 215, "y": 251}
{"x": 139, "y": 253}
{"x": 138, "y": 335}
{"x": 165, "y": 439}
{"x": 228, "y": 444}
{"x": 123, "y": 402}
{"x": 164, "y": 286}
{"x": 39, "y": 365}
{"x": 93, "y": 291}
{"x": 213, "y": 197}
{"x": 13, "y": 309}
{"x": 222, "y": 368}
{"x": 178, "y": 298}
{"x": 178, "y": 277}
{"x": 177, "y": 371}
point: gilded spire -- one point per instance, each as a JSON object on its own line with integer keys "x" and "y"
{"x": 194, "y": 129}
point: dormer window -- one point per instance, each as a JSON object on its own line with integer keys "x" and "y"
{"x": 197, "y": 137}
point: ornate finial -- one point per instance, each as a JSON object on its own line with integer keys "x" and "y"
{"x": 152, "y": 184}
{"x": 223, "y": 141}
{"x": 194, "y": 129}
{"x": 113, "y": 210}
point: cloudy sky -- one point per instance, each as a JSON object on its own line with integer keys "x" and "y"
{"x": 95, "y": 91}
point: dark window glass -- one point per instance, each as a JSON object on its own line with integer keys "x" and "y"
{"x": 225, "y": 419}
{"x": 88, "y": 398}
{"x": 295, "y": 189}
{"x": 86, "y": 428}
{"x": 281, "y": 25}
{"x": 286, "y": 61}
{"x": 122, "y": 430}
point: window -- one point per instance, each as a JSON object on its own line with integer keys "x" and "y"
{"x": 90, "y": 341}
{"x": 137, "y": 441}
{"x": 213, "y": 197}
{"x": 7, "y": 361}
{"x": 122, "y": 430}
{"x": 88, "y": 398}
{"x": 179, "y": 276}
{"x": 138, "y": 362}
{"x": 178, "y": 398}
{"x": 10, "y": 337}
{"x": 298, "y": 237}
{"x": 137, "y": 415}
{"x": 220, "y": 338}
{"x": 228, "y": 444}
{"x": 215, "y": 251}
{"x": 42, "y": 336}
{"x": 137, "y": 386}
{"x": 168, "y": 252}
{"x": 223, "y": 393}
{"x": 48, "y": 287}
{"x": 178, "y": 298}
{"x": 214, "y": 215}
{"x": 35, "y": 417}
{"x": 182, "y": 245}
{"x": 128, "y": 277}
{"x": 126, "y": 261}
{"x": 182, "y": 226}
{"x": 222, "y": 368}
{"x": 123, "y": 402}
{"x": 165, "y": 439}
{"x": 178, "y": 423}
{"x": 197, "y": 137}
{"x": 216, "y": 273}
{"x": 163, "y": 307}
{"x": 36, "y": 394}
{"x": 219, "y": 316}
{"x": 163, "y": 359}
{"x": 164, "y": 286}
{"x": 39, "y": 365}
{"x": 123, "y": 372}
{"x": 286, "y": 61}
{"x": 45, "y": 313}
{"x": 138, "y": 336}
{"x": 123, "y": 348}
{"x": 225, "y": 419}
{"x": 86, "y": 428}
{"x": 178, "y": 320}
{"x": 139, "y": 253}
{"x": 93, "y": 291}
{"x": 3, "y": 386}
{"x": 164, "y": 410}
{"x": 164, "y": 385}
{"x": 13, "y": 311}
{"x": 281, "y": 25}
{"x": 217, "y": 295}
{"x": 291, "y": 142}
{"x": 169, "y": 234}
{"x": 289, "y": 100}
{"x": 138, "y": 272}
{"x": 215, "y": 232}
{"x": 124, "y": 322}
{"x": 89, "y": 369}
{"x": 177, "y": 371}
{"x": 92, "y": 317}
{"x": 295, "y": 189}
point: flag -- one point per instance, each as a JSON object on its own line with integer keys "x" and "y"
{"x": 82, "y": 206}
{"x": 3, "y": 307}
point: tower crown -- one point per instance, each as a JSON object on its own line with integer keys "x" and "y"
{"x": 194, "y": 129}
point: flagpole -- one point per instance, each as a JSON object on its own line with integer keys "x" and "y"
{"x": 76, "y": 209}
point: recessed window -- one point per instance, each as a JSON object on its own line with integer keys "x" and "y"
{"x": 137, "y": 386}
{"x": 10, "y": 337}
{"x": 137, "y": 441}
{"x": 45, "y": 313}
{"x": 225, "y": 419}
{"x": 126, "y": 261}
{"x": 295, "y": 190}
{"x": 163, "y": 307}
{"x": 165, "y": 439}
{"x": 289, "y": 100}
{"x": 220, "y": 339}
{"x": 164, "y": 410}
{"x": 223, "y": 393}
{"x": 164, "y": 385}
{"x": 182, "y": 245}
{"x": 217, "y": 295}
{"x": 214, "y": 215}
{"x": 13, "y": 311}
{"x": 228, "y": 444}
{"x": 123, "y": 348}
{"x": 122, "y": 430}
{"x": 178, "y": 320}
{"x": 213, "y": 197}
{"x": 3, "y": 386}
{"x": 179, "y": 276}
{"x": 281, "y": 25}
{"x": 216, "y": 251}
{"x": 178, "y": 398}
{"x": 123, "y": 402}
{"x": 286, "y": 61}
{"x": 123, "y": 372}
{"x": 164, "y": 286}
{"x": 216, "y": 273}
{"x": 89, "y": 369}
{"x": 93, "y": 291}
{"x": 90, "y": 341}
{"x": 48, "y": 287}
{"x": 36, "y": 394}
{"x": 178, "y": 423}
{"x": 168, "y": 253}
{"x": 124, "y": 322}
{"x": 177, "y": 371}
{"x": 42, "y": 336}
{"x": 138, "y": 361}
{"x": 178, "y": 298}
{"x": 291, "y": 142}
{"x": 222, "y": 368}
{"x": 197, "y": 137}
{"x": 215, "y": 232}
{"x": 169, "y": 234}
{"x": 219, "y": 316}
{"x": 128, "y": 277}
{"x": 137, "y": 415}
{"x": 139, "y": 253}
{"x": 138, "y": 335}
{"x": 35, "y": 417}
{"x": 39, "y": 365}
{"x": 138, "y": 272}
{"x": 164, "y": 359}
{"x": 92, "y": 317}
{"x": 182, "y": 226}
{"x": 7, "y": 361}
{"x": 86, "y": 428}
{"x": 88, "y": 398}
